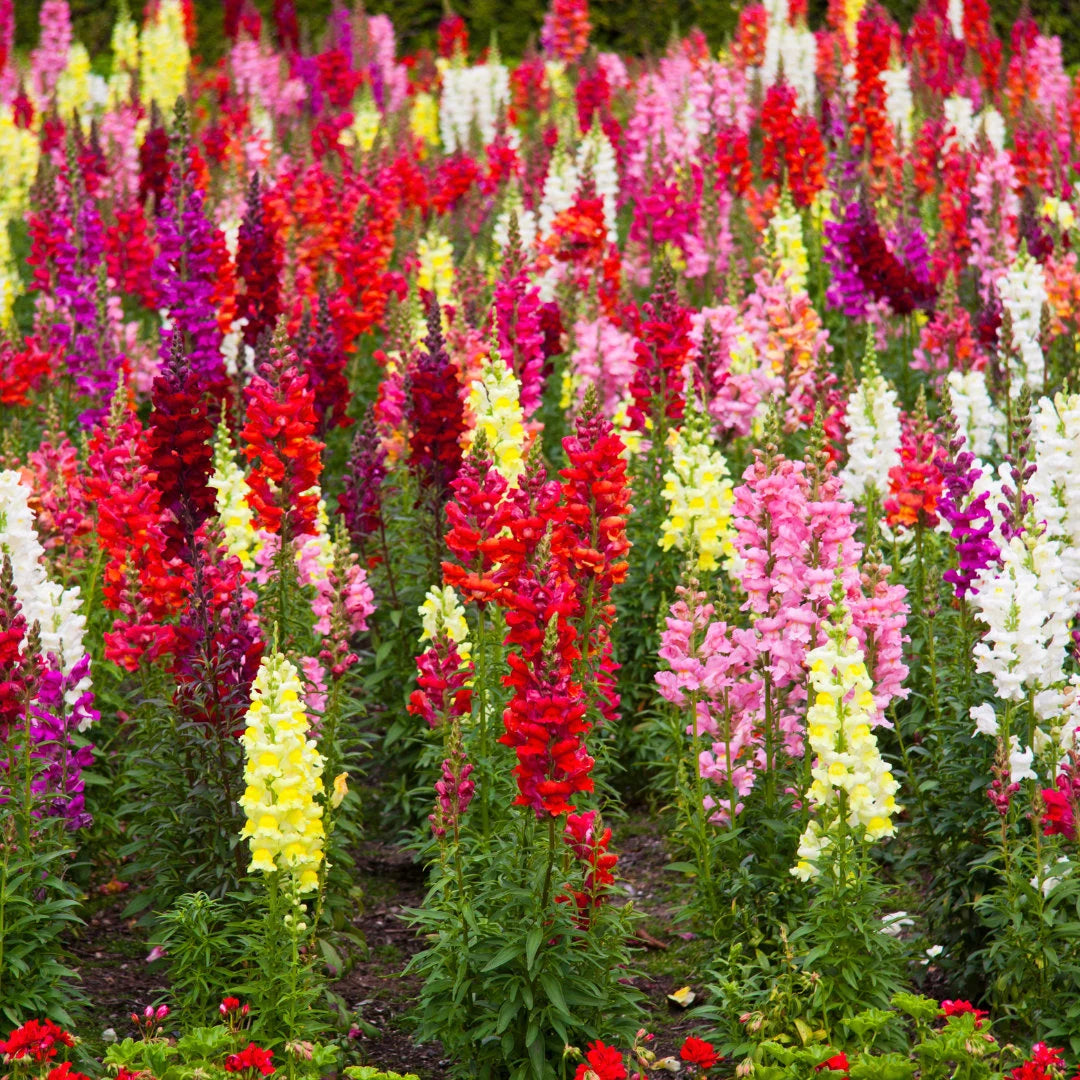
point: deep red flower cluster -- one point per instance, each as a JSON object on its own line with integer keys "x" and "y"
{"x": 695, "y": 1051}
{"x": 281, "y": 446}
{"x": 1043, "y": 1058}
{"x": 663, "y": 343}
{"x": 1059, "y": 813}
{"x": 602, "y": 1062}
{"x": 950, "y": 1007}
{"x": 178, "y": 440}
{"x": 37, "y": 1040}
{"x": 443, "y": 680}
{"x": 23, "y": 370}
{"x": 436, "y": 415}
{"x": 259, "y": 259}
{"x": 589, "y": 844}
{"x": 253, "y": 1060}
{"x": 792, "y": 147}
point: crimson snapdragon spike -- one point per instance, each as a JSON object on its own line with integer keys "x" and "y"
{"x": 660, "y": 356}
{"x": 179, "y": 441}
{"x": 324, "y": 361}
{"x": 219, "y": 647}
{"x": 436, "y": 413}
{"x": 259, "y": 260}
{"x": 915, "y": 484}
{"x": 280, "y": 444}
{"x": 360, "y": 502}
{"x": 186, "y": 269}
{"x": 20, "y": 656}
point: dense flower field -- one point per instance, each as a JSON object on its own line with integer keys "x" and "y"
{"x": 499, "y": 459}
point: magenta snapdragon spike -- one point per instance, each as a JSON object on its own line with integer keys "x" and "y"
{"x": 518, "y": 314}
{"x": 324, "y": 361}
{"x": 968, "y": 515}
{"x": 81, "y": 332}
{"x": 58, "y": 782}
{"x": 185, "y": 270}
{"x": 453, "y": 792}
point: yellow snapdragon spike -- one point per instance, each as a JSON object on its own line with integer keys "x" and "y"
{"x": 283, "y": 771}
{"x": 495, "y": 402}
{"x": 698, "y": 491}
{"x": 436, "y": 273}
{"x": 164, "y": 57}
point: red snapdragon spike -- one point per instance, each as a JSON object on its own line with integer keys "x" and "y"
{"x": 259, "y": 260}
{"x": 660, "y": 355}
{"x": 545, "y": 718}
{"x": 324, "y": 361}
{"x": 61, "y": 507}
{"x": 179, "y": 435}
{"x": 138, "y": 579}
{"x": 436, "y": 414}
{"x": 695, "y": 1051}
{"x": 596, "y": 504}
{"x": 443, "y": 692}
{"x": 590, "y": 845}
{"x": 24, "y": 370}
{"x": 64, "y": 1071}
{"x": 21, "y": 663}
{"x": 1058, "y": 817}
{"x": 281, "y": 446}
{"x": 915, "y": 484}
{"x": 453, "y": 36}
{"x": 360, "y": 502}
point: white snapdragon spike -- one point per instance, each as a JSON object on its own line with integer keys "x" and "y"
{"x": 55, "y": 609}
{"x": 960, "y": 116}
{"x": 874, "y": 432}
{"x": 1023, "y": 293}
{"x": 597, "y": 154}
{"x": 978, "y": 419}
{"x": 560, "y": 185}
{"x": 1056, "y": 449}
{"x": 956, "y": 18}
{"x": 526, "y": 220}
{"x": 791, "y": 50}
{"x": 899, "y": 102}
{"x": 993, "y": 125}
{"x": 1025, "y": 604}
{"x": 472, "y": 95}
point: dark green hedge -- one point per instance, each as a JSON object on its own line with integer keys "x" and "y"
{"x": 634, "y": 26}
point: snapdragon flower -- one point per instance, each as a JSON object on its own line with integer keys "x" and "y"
{"x": 850, "y": 777}
{"x": 698, "y": 491}
{"x": 283, "y": 773}
{"x": 874, "y": 434}
{"x": 495, "y": 401}
{"x": 1023, "y": 293}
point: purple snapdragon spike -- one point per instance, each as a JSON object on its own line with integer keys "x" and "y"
{"x": 185, "y": 270}
{"x": 58, "y": 780}
{"x": 360, "y": 503}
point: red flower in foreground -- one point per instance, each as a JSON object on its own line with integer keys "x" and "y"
{"x": 838, "y": 1063}
{"x": 37, "y": 1040}
{"x": 698, "y": 1052}
{"x": 253, "y": 1058}
{"x": 959, "y": 1008}
{"x": 65, "y": 1072}
{"x": 601, "y": 1063}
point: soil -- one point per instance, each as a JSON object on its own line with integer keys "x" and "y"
{"x": 110, "y": 953}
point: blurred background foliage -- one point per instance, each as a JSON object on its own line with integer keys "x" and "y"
{"x": 630, "y": 26}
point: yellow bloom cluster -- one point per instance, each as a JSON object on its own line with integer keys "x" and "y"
{"x": 436, "y": 273}
{"x": 283, "y": 773}
{"x": 164, "y": 58}
{"x": 231, "y": 501}
{"x": 786, "y": 243}
{"x": 850, "y": 776}
{"x": 73, "y": 86}
{"x": 495, "y": 402}
{"x": 698, "y": 491}
{"x": 365, "y": 126}
{"x": 125, "y": 60}
{"x": 441, "y": 612}
{"x": 424, "y": 118}
{"x": 19, "y": 152}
